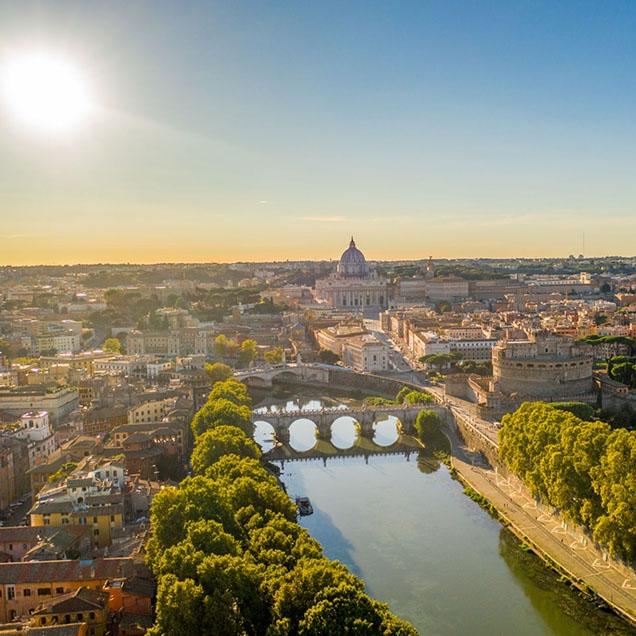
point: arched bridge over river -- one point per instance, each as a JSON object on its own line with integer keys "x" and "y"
{"x": 365, "y": 416}
{"x": 261, "y": 377}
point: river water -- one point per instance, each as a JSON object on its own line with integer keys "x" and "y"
{"x": 437, "y": 558}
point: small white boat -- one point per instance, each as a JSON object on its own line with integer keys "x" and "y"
{"x": 304, "y": 506}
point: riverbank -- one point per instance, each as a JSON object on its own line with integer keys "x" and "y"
{"x": 546, "y": 536}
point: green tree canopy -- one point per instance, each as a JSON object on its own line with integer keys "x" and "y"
{"x": 247, "y": 353}
{"x": 222, "y": 412}
{"x": 328, "y": 357}
{"x": 113, "y": 345}
{"x": 220, "y": 441}
{"x": 273, "y": 356}
{"x": 218, "y": 372}
{"x": 230, "y": 389}
{"x": 427, "y": 423}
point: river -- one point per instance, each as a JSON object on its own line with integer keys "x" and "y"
{"x": 437, "y": 558}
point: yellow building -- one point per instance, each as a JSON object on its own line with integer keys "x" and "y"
{"x": 83, "y": 605}
{"x": 152, "y": 411}
{"x": 102, "y": 519}
{"x": 24, "y": 585}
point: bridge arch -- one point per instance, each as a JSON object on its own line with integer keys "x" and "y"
{"x": 303, "y": 434}
{"x": 345, "y": 432}
{"x": 285, "y": 375}
{"x": 264, "y": 434}
{"x": 387, "y": 430}
{"x": 257, "y": 382}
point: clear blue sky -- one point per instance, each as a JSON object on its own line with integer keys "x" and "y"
{"x": 267, "y": 130}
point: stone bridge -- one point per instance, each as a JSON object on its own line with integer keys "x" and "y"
{"x": 365, "y": 416}
{"x": 261, "y": 377}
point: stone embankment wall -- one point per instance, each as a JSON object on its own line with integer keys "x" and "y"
{"x": 477, "y": 441}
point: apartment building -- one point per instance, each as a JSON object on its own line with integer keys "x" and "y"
{"x": 57, "y": 399}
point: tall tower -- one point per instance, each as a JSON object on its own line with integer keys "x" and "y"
{"x": 430, "y": 272}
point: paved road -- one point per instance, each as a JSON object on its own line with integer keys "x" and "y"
{"x": 400, "y": 363}
{"x": 546, "y": 530}
{"x": 615, "y": 584}
{"x": 15, "y": 518}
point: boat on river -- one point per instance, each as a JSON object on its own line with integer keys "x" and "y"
{"x": 304, "y": 506}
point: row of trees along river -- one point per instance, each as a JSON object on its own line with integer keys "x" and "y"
{"x": 229, "y": 556}
{"x": 586, "y": 469}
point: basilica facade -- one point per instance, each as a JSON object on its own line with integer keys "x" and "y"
{"x": 354, "y": 284}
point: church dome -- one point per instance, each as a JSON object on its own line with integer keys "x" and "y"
{"x": 352, "y": 262}
{"x": 352, "y": 254}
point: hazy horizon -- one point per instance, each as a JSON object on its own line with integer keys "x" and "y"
{"x": 227, "y": 132}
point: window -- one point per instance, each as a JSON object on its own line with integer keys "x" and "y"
{"x": 112, "y": 517}
{"x": 26, "y": 592}
{"x": 92, "y": 615}
{"x": 80, "y": 617}
{"x": 96, "y": 531}
{"x": 59, "y": 590}
{"x": 11, "y": 546}
{"x": 94, "y": 519}
{"x": 10, "y": 592}
{"x": 44, "y": 591}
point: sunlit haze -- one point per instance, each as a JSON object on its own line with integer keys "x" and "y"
{"x": 222, "y": 131}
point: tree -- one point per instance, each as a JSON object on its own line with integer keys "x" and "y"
{"x": 113, "y": 345}
{"x": 169, "y": 466}
{"x": 222, "y": 412}
{"x": 341, "y": 610}
{"x": 220, "y": 346}
{"x": 580, "y": 409}
{"x": 273, "y": 356}
{"x": 231, "y": 389}
{"x": 328, "y": 357}
{"x": 247, "y": 353}
{"x": 218, "y": 372}
{"x": 230, "y": 557}
{"x": 442, "y": 306}
{"x": 427, "y": 423}
{"x": 410, "y": 396}
{"x": 220, "y": 441}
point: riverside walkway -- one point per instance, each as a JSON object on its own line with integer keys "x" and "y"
{"x": 545, "y": 531}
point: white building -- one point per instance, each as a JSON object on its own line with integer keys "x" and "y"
{"x": 365, "y": 353}
{"x": 64, "y": 342}
{"x": 354, "y": 285}
{"x": 156, "y": 368}
{"x": 42, "y": 441}
{"x": 125, "y": 365}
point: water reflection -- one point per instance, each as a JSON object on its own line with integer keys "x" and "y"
{"x": 541, "y": 586}
{"x": 264, "y": 435}
{"x": 302, "y": 435}
{"x": 344, "y": 432}
{"x": 429, "y": 551}
{"x": 298, "y": 405}
{"x": 386, "y": 431}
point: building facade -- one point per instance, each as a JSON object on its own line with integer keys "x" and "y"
{"x": 543, "y": 366}
{"x": 354, "y": 285}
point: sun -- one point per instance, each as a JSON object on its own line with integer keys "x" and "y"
{"x": 45, "y": 93}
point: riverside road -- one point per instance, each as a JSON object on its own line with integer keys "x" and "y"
{"x": 615, "y": 583}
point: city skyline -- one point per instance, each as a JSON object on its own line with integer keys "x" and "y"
{"x": 257, "y": 132}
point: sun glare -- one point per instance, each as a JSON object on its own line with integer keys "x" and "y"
{"x": 45, "y": 93}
